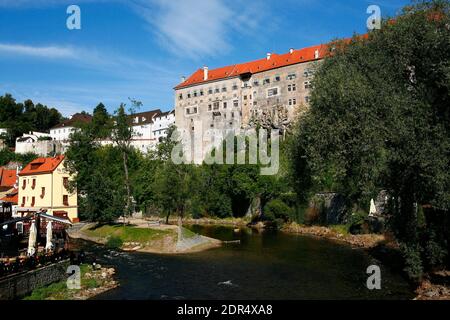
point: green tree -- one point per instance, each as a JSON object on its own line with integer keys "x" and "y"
{"x": 379, "y": 118}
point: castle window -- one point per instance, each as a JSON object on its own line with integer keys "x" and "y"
{"x": 224, "y": 89}
{"x": 210, "y": 91}
{"x": 272, "y": 92}
{"x": 266, "y": 81}
{"x": 292, "y": 87}
{"x": 308, "y": 85}
{"x": 180, "y": 97}
{"x": 224, "y": 105}
{"x": 235, "y": 87}
{"x": 277, "y": 78}
{"x": 256, "y": 83}
{"x": 217, "y": 90}
{"x": 236, "y": 103}
{"x": 291, "y": 76}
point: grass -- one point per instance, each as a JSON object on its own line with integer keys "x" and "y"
{"x": 341, "y": 228}
{"x": 59, "y": 290}
{"x": 127, "y": 233}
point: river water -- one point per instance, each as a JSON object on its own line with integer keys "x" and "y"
{"x": 266, "y": 265}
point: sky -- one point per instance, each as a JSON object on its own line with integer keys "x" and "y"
{"x": 140, "y": 49}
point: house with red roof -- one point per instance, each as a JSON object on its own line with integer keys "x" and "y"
{"x": 44, "y": 185}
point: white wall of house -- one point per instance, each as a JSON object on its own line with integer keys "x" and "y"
{"x": 30, "y": 143}
{"x": 61, "y": 134}
{"x": 161, "y": 125}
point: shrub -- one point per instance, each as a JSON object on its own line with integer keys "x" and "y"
{"x": 356, "y": 222}
{"x": 413, "y": 262}
{"x": 277, "y": 210}
{"x": 114, "y": 243}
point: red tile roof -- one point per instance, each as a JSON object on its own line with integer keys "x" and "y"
{"x": 41, "y": 165}
{"x": 275, "y": 61}
{"x": 12, "y": 197}
{"x": 7, "y": 177}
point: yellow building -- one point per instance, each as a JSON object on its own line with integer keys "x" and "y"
{"x": 43, "y": 185}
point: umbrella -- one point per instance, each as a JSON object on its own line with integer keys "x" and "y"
{"x": 48, "y": 244}
{"x": 373, "y": 209}
{"x": 32, "y": 240}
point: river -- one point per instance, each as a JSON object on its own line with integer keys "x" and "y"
{"x": 268, "y": 265}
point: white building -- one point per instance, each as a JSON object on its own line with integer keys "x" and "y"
{"x": 149, "y": 127}
{"x": 162, "y": 123}
{"x": 61, "y": 132}
{"x": 39, "y": 143}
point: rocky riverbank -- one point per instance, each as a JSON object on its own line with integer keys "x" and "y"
{"x": 365, "y": 241}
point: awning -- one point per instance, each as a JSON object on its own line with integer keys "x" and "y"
{"x": 56, "y": 219}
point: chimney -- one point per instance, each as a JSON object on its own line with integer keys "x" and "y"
{"x": 183, "y": 78}
{"x": 291, "y": 50}
{"x": 268, "y": 55}
{"x": 316, "y": 54}
{"x": 205, "y": 73}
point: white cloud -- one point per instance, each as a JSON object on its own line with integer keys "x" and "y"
{"x": 42, "y": 52}
{"x": 198, "y": 27}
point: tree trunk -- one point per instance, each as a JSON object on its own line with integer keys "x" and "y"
{"x": 167, "y": 217}
{"x": 127, "y": 184}
{"x": 180, "y": 226}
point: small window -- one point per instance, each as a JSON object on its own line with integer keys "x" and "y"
{"x": 42, "y": 192}
{"x": 201, "y": 92}
{"x": 245, "y": 97}
{"x": 195, "y": 93}
{"x": 66, "y": 200}
{"x": 307, "y": 99}
{"x": 33, "y": 185}
{"x": 308, "y": 85}
{"x": 277, "y": 78}
{"x": 180, "y": 97}
{"x": 266, "y": 81}
{"x": 209, "y": 107}
{"x": 272, "y": 92}
{"x": 224, "y": 105}
{"x": 224, "y": 89}
{"x": 291, "y": 76}
{"x": 24, "y": 184}
{"x": 188, "y": 95}
{"x": 236, "y": 103}
{"x": 216, "y": 105}
{"x": 256, "y": 83}
{"x": 217, "y": 90}
{"x": 210, "y": 91}
{"x": 23, "y": 202}
{"x": 235, "y": 87}
{"x": 33, "y": 201}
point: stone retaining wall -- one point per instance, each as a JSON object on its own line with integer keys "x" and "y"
{"x": 19, "y": 285}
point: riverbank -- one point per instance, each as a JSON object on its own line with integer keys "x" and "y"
{"x": 435, "y": 286}
{"x": 140, "y": 236}
{"x": 365, "y": 241}
{"x": 93, "y": 282}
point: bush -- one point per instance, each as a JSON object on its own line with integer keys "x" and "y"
{"x": 277, "y": 210}
{"x": 114, "y": 243}
{"x": 356, "y": 222}
{"x": 413, "y": 262}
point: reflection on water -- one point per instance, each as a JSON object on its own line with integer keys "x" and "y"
{"x": 263, "y": 266}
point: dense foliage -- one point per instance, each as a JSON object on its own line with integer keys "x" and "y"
{"x": 19, "y": 118}
{"x": 380, "y": 119}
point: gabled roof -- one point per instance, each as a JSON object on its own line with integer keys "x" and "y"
{"x": 144, "y": 117}
{"x": 7, "y": 177}
{"x": 275, "y": 61}
{"x": 42, "y": 165}
{"x": 12, "y": 197}
{"x": 72, "y": 122}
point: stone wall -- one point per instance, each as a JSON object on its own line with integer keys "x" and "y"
{"x": 19, "y": 285}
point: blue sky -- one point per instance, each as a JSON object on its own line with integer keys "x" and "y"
{"x": 141, "y": 48}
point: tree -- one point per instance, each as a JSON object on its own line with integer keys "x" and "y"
{"x": 101, "y": 122}
{"x": 122, "y": 135}
{"x": 379, "y": 118}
